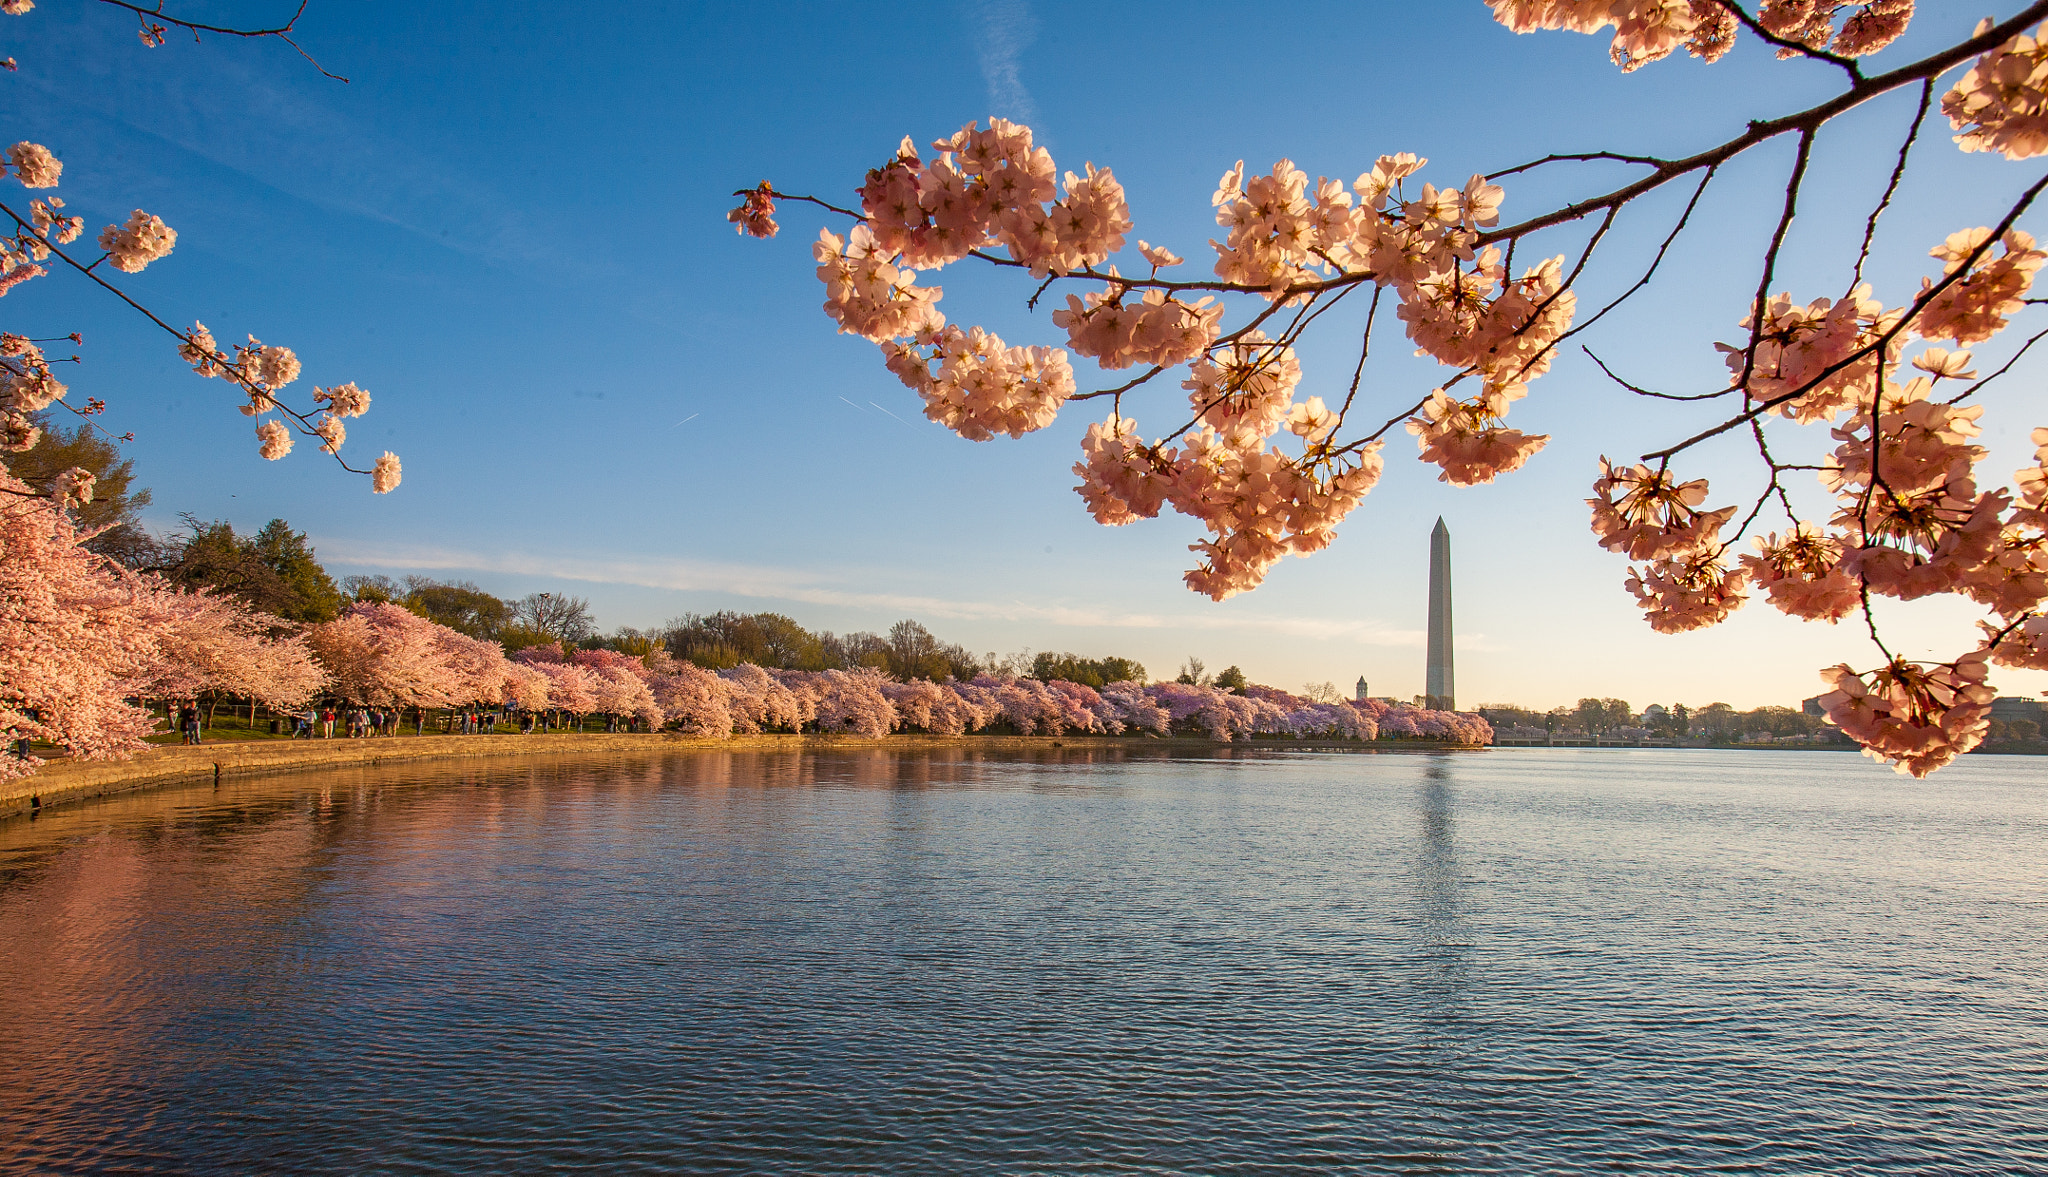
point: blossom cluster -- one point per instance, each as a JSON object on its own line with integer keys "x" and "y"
{"x": 2001, "y": 104}
{"x": 1917, "y": 716}
{"x": 1811, "y": 362}
{"x": 1910, "y": 520}
{"x": 1651, "y": 30}
{"x": 26, "y": 386}
{"x": 142, "y": 240}
{"x": 974, "y": 385}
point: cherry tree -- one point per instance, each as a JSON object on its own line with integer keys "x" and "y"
{"x": 697, "y": 700}
{"x": 620, "y": 685}
{"x": 1270, "y": 473}
{"x": 203, "y": 642}
{"x": 70, "y": 639}
{"x": 758, "y": 702}
{"x": 570, "y": 687}
{"x": 525, "y": 687}
{"x": 384, "y": 656}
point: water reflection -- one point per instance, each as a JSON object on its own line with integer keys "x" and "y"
{"x": 941, "y": 960}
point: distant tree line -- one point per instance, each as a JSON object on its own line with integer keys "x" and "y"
{"x": 276, "y": 570}
{"x": 1716, "y": 723}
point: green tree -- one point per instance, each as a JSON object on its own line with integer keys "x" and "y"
{"x": 1717, "y": 722}
{"x": 1089, "y": 672}
{"x": 274, "y": 570}
{"x": 314, "y": 595}
{"x": 1232, "y": 680}
{"x": 717, "y": 641}
{"x": 378, "y": 589}
{"x": 460, "y": 605}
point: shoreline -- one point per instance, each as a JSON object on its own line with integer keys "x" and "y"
{"x": 67, "y": 781}
{"x": 61, "y": 782}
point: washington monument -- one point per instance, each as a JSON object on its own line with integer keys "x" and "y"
{"x": 1440, "y": 684}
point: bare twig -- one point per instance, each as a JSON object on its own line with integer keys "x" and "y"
{"x": 283, "y": 32}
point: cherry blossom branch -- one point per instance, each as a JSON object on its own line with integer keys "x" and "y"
{"x": 1579, "y": 157}
{"x": 153, "y": 34}
{"x": 1120, "y": 389}
{"x": 1765, "y": 129}
{"x": 1795, "y": 47}
{"x": 844, "y": 212}
{"x": 1655, "y": 262}
{"x": 1364, "y": 349}
{"x": 1763, "y": 286}
{"x": 259, "y": 394}
{"x": 1928, "y": 295}
{"x": 1640, "y": 391}
{"x": 1971, "y": 391}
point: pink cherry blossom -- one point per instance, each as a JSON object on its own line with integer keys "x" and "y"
{"x": 1802, "y": 574}
{"x": 132, "y": 246}
{"x": 755, "y": 216}
{"x": 203, "y": 642}
{"x": 1978, "y": 307}
{"x": 1917, "y": 716}
{"x": 69, "y": 639}
{"x": 2001, "y": 104}
{"x": 1802, "y": 361}
{"x": 1689, "y": 591}
{"x": 343, "y": 400}
{"x": 1649, "y": 514}
{"x": 34, "y": 166}
{"x": 981, "y": 387}
{"x": 277, "y": 440}
{"x": 1466, "y": 439}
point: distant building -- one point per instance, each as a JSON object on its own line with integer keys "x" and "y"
{"x": 2011, "y": 707}
{"x": 1812, "y": 707}
{"x": 1439, "y": 682}
{"x": 1361, "y": 696}
{"x": 1655, "y": 711}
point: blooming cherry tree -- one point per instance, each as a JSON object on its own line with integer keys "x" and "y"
{"x": 205, "y": 642}
{"x": 1269, "y": 472}
{"x": 70, "y": 639}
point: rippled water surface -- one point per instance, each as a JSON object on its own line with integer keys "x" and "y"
{"x": 951, "y": 961}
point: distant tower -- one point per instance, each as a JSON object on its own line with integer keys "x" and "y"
{"x": 1440, "y": 683}
{"x": 1361, "y": 688}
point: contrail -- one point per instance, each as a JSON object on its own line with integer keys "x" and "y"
{"x": 857, "y": 407}
{"x": 888, "y": 414}
{"x": 687, "y": 420}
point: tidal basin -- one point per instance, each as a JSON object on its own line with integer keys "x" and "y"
{"x": 951, "y": 960}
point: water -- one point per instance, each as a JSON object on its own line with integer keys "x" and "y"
{"x": 1071, "y": 962}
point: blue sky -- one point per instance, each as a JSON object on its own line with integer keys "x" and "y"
{"x": 509, "y": 227}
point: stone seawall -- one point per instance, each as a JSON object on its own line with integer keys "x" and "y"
{"x": 63, "y": 781}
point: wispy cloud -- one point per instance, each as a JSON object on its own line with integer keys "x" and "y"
{"x": 1004, "y": 29}
{"x": 269, "y": 119}
{"x": 784, "y": 584}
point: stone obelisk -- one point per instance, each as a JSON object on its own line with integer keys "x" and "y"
{"x": 1440, "y": 684}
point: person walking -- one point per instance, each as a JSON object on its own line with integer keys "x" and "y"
{"x": 189, "y": 720}
{"x": 327, "y": 722}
